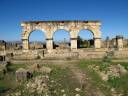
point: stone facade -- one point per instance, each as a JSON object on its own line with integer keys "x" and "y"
{"x": 50, "y": 27}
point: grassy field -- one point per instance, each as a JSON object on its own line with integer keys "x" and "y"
{"x": 119, "y": 84}
{"x": 63, "y": 81}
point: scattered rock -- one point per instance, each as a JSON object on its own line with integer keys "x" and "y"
{"x": 77, "y": 95}
{"x": 34, "y": 67}
{"x": 62, "y": 91}
{"x": 45, "y": 70}
{"x": 3, "y": 68}
{"x": 14, "y": 94}
{"x": 38, "y": 85}
{"x": 22, "y": 74}
{"x": 112, "y": 71}
{"x": 39, "y": 68}
{"x": 77, "y": 89}
{"x": 103, "y": 76}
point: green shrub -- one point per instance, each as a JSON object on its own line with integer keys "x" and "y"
{"x": 104, "y": 66}
{"x": 3, "y": 88}
{"x": 107, "y": 59}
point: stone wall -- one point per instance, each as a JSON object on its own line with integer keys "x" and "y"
{"x": 121, "y": 54}
{"x": 65, "y": 54}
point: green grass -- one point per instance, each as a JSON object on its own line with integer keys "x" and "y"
{"x": 8, "y": 83}
{"x": 8, "y": 80}
{"x": 63, "y": 77}
{"x": 84, "y": 63}
{"x": 120, "y": 84}
{"x": 14, "y": 67}
{"x": 95, "y": 79}
{"x": 64, "y": 80}
{"x": 124, "y": 64}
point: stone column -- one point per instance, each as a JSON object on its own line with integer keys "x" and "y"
{"x": 119, "y": 42}
{"x": 97, "y": 42}
{"x": 114, "y": 42}
{"x": 73, "y": 43}
{"x": 49, "y": 44}
{"x": 25, "y": 44}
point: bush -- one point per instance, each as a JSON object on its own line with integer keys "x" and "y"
{"x": 107, "y": 59}
{"x": 3, "y": 89}
{"x": 104, "y": 66}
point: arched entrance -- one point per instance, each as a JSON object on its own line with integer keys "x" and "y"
{"x": 85, "y": 39}
{"x": 49, "y": 27}
{"x": 37, "y": 40}
{"x": 61, "y": 39}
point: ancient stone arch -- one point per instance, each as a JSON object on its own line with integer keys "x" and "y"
{"x": 49, "y": 27}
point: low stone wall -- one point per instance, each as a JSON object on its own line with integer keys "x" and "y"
{"x": 93, "y": 54}
{"x": 39, "y": 61}
{"x": 121, "y": 54}
{"x": 66, "y": 54}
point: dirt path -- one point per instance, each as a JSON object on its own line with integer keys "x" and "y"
{"x": 84, "y": 80}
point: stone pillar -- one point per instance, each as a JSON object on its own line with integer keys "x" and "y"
{"x": 97, "y": 42}
{"x": 25, "y": 44}
{"x": 73, "y": 43}
{"x": 107, "y": 44}
{"x": 114, "y": 42}
{"x": 49, "y": 44}
{"x": 119, "y": 42}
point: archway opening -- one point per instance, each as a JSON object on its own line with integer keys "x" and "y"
{"x": 61, "y": 39}
{"x": 37, "y": 40}
{"x": 85, "y": 39}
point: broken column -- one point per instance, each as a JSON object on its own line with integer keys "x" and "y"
{"x": 119, "y": 42}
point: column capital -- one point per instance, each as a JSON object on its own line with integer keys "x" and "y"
{"x": 119, "y": 37}
{"x": 73, "y": 38}
{"x": 49, "y": 38}
{"x": 96, "y": 38}
{"x": 24, "y": 39}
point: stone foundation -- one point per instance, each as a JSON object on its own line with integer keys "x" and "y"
{"x": 65, "y": 54}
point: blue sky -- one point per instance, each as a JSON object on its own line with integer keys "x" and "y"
{"x": 113, "y": 15}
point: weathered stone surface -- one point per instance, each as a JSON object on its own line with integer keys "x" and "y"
{"x": 39, "y": 85}
{"x": 34, "y": 67}
{"x": 49, "y": 27}
{"x": 119, "y": 40}
{"x": 3, "y": 68}
{"x": 112, "y": 71}
{"x": 45, "y": 70}
{"x": 38, "y": 68}
{"x": 22, "y": 74}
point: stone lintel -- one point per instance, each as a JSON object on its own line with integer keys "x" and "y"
{"x": 91, "y": 22}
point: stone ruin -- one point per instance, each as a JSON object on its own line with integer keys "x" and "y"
{"x": 64, "y": 50}
{"x": 50, "y": 27}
